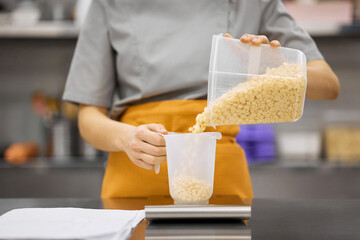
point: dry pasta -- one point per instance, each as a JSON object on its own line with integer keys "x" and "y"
{"x": 189, "y": 189}
{"x": 276, "y": 96}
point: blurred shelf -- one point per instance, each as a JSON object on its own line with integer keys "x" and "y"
{"x": 67, "y": 29}
{"x": 332, "y": 30}
{"x": 306, "y": 163}
{"x": 99, "y": 162}
{"x": 44, "y": 29}
{"x": 323, "y": 30}
{"x": 64, "y": 162}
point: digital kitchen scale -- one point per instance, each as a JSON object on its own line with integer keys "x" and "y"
{"x": 219, "y": 207}
{"x": 221, "y": 219}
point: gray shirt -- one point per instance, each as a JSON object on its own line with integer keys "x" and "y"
{"x": 137, "y": 51}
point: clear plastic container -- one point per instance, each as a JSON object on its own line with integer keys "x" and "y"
{"x": 191, "y": 163}
{"x": 254, "y": 84}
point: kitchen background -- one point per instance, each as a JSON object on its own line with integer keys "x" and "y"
{"x": 316, "y": 157}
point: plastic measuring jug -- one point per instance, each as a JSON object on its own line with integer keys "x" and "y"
{"x": 191, "y": 163}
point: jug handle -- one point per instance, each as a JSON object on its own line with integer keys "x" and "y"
{"x": 157, "y": 166}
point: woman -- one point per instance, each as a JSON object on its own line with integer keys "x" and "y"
{"x": 140, "y": 68}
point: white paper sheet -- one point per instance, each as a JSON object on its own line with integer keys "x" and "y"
{"x": 68, "y": 223}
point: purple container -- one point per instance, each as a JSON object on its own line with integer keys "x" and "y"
{"x": 258, "y": 142}
{"x": 256, "y": 133}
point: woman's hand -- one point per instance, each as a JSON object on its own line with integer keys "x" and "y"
{"x": 143, "y": 145}
{"x": 146, "y": 148}
{"x": 322, "y": 82}
{"x": 256, "y": 40}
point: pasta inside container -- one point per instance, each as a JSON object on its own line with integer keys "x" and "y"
{"x": 191, "y": 163}
{"x": 253, "y": 84}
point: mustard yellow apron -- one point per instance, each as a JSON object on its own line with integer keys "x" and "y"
{"x": 125, "y": 179}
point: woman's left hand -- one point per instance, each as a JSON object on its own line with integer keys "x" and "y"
{"x": 256, "y": 40}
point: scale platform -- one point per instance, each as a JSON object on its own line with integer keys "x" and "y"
{"x": 219, "y": 207}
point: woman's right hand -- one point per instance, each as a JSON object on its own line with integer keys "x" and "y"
{"x": 145, "y": 147}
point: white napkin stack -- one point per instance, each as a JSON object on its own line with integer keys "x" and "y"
{"x": 68, "y": 223}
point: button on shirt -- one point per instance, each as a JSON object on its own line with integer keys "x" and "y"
{"x": 136, "y": 51}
